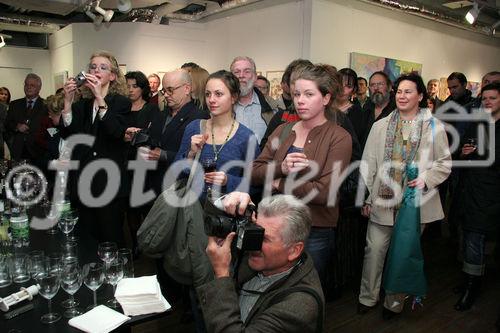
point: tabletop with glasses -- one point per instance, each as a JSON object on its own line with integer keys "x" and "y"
{"x": 74, "y": 274}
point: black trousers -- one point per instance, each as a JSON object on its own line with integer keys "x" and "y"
{"x": 105, "y": 224}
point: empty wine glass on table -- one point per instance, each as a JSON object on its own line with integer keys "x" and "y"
{"x": 48, "y": 284}
{"x": 71, "y": 281}
{"x": 67, "y": 223}
{"x": 128, "y": 262}
{"x": 114, "y": 273}
{"x": 69, "y": 252}
{"x": 107, "y": 252}
{"x": 93, "y": 277}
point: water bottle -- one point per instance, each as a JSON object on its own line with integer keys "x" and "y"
{"x": 19, "y": 228}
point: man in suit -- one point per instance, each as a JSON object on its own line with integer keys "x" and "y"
{"x": 23, "y": 121}
{"x": 180, "y": 112}
{"x": 154, "y": 85}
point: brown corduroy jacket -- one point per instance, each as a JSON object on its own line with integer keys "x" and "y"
{"x": 330, "y": 147}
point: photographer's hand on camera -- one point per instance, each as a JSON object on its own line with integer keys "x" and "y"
{"x": 197, "y": 143}
{"x": 294, "y": 162}
{"x": 237, "y": 200}
{"x": 69, "y": 88}
{"x": 219, "y": 253}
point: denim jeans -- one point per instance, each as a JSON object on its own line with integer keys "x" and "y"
{"x": 474, "y": 248}
{"x": 320, "y": 246}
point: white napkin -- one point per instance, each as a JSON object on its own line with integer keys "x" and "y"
{"x": 100, "y": 319}
{"x": 160, "y": 305}
{"x": 141, "y": 287}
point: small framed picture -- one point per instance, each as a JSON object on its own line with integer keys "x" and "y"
{"x": 274, "y": 78}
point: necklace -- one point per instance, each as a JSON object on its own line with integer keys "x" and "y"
{"x": 217, "y": 152}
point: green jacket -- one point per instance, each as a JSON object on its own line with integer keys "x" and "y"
{"x": 275, "y": 311}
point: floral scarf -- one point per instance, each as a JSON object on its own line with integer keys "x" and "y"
{"x": 397, "y": 152}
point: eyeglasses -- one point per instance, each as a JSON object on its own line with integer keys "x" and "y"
{"x": 102, "y": 68}
{"x": 377, "y": 84}
{"x": 170, "y": 90}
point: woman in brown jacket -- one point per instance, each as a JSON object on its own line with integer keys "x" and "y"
{"x": 305, "y": 158}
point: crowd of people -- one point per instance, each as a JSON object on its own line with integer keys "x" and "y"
{"x": 325, "y": 221}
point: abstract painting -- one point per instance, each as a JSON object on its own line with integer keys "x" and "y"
{"x": 365, "y": 65}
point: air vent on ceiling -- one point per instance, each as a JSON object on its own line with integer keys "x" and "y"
{"x": 458, "y": 4}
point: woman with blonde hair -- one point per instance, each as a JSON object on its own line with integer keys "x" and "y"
{"x": 199, "y": 78}
{"x": 102, "y": 112}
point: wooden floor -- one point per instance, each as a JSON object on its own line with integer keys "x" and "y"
{"x": 437, "y": 314}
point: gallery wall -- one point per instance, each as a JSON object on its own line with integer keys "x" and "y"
{"x": 274, "y": 33}
{"x": 340, "y": 27}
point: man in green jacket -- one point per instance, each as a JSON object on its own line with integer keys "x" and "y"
{"x": 277, "y": 288}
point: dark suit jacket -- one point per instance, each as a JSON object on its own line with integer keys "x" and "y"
{"x": 18, "y": 142}
{"x": 171, "y": 137}
{"x": 3, "y": 116}
{"x": 108, "y": 144}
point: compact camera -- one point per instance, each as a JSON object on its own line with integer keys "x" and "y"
{"x": 219, "y": 224}
{"x": 141, "y": 139}
{"x": 80, "y": 79}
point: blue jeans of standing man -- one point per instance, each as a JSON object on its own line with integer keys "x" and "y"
{"x": 320, "y": 246}
{"x": 474, "y": 248}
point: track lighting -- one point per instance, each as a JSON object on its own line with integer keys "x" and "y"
{"x": 124, "y": 6}
{"x": 107, "y": 14}
{"x": 97, "y": 19}
{"x": 472, "y": 14}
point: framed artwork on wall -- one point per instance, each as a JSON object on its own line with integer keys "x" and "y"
{"x": 59, "y": 79}
{"x": 274, "y": 78}
{"x": 443, "y": 89}
{"x": 365, "y": 65}
{"x": 123, "y": 68}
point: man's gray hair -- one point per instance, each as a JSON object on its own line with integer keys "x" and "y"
{"x": 34, "y": 77}
{"x": 185, "y": 77}
{"x": 295, "y": 214}
{"x": 245, "y": 58}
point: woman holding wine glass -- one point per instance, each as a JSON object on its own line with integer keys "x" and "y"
{"x": 222, "y": 139}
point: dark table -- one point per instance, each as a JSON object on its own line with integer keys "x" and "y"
{"x": 30, "y": 321}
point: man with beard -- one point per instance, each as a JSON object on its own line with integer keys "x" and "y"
{"x": 251, "y": 109}
{"x": 380, "y": 104}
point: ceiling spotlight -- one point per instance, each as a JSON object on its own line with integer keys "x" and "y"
{"x": 107, "y": 14}
{"x": 124, "y": 6}
{"x": 97, "y": 19}
{"x": 472, "y": 14}
{"x": 2, "y": 42}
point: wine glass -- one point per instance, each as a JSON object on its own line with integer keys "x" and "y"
{"x": 69, "y": 252}
{"x": 48, "y": 284}
{"x": 114, "y": 273}
{"x": 128, "y": 262}
{"x": 107, "y": 252}
{"x": 71, "y": 281}
{"x": 93, "y": 277}
{"x": 67, "y": 223}
{"x": 209, "y": 165}
{"x": 53, "y": 263}
{"x": 46, "y": 206}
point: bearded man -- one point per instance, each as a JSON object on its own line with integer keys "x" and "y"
{"x": 380, "y": 104}
{"x": 251, "y": 109}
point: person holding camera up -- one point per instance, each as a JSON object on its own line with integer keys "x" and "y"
{"x": 277, "y": 288}
{"x": 102, "y": 112}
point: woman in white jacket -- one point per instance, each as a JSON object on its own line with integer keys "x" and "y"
{"x": 409, "y": 134}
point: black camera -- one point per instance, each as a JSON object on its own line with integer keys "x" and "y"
{"x": 141, "y": 138}
{"x": 80, "y": 79}
{"x": 219, "y": 224}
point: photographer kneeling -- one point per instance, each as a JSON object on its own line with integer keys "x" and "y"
{"x": 275, "y": 289}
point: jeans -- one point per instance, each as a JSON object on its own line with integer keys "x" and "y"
{"x": 474, "y": 248}
{"x": 320, "y": 245}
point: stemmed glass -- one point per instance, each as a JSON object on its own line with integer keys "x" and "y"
{"x": 47, "y": 210}
{"x": 93, "y": 277}
{"x": 209, "y": 165}
{"x": 67, "y": 223}
{"x": 69, "y": 252}
{"x": 114, "y": 273}
{"x": 48, "y": 284}
{"x": 107, "y": 252}
{"x": 71, "y": 281}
